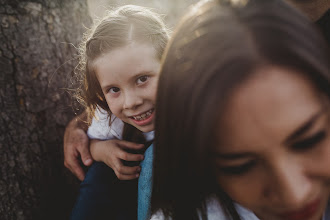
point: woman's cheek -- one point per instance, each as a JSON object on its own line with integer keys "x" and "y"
{"x": 244, "y": 190}
{"x": 319, "y": 160}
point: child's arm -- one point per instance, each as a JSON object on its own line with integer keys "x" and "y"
{"x": 112, "y": 153}
{"x": 106, "y": 147}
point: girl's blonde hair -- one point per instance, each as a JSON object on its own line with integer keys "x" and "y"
{"x": 120, "y": 27}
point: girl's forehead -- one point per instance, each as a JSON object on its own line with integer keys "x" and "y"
{"x": 126, "y": 62}
{"x": 131, "y": 50}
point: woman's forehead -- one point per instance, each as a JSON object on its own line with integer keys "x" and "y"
{"x": 272, "y": 104}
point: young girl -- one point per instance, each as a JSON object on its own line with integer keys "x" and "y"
{"x": 249, "y": 137}
{"x": 120, "y": 61}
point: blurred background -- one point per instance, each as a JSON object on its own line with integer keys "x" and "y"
{"x": 171, "y": 9}
{"x": 37, "y": 60}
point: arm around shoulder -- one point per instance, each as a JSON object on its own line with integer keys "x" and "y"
{"x": 75, "y": 144}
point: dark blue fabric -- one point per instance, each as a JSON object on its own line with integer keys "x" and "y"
{"x": 103, "y": 196}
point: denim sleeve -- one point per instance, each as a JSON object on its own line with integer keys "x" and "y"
{"x": 145, "y": 185}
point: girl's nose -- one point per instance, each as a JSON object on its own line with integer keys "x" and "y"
{"x": 132, "y": 100}
{"x": 290, "y": 186}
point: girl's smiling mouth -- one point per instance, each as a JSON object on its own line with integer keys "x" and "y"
{"x": 143, "y": 118}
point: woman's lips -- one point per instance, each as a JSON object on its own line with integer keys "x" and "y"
{"x": 303, "y": 214}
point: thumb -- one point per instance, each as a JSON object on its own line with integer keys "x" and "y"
{"x": 86, "y": 156}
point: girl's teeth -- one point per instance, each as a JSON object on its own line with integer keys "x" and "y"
{"x": 143, "y": 116}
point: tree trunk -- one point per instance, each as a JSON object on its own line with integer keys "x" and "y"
{"x": 36, "y": 63}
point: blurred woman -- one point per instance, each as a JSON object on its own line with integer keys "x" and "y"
{"x": 242, "y": 124}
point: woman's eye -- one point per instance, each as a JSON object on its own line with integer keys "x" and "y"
{"x": 310, "y": 142}
{"x": 114, "y": 90}
{"x": 142, "y": 79}
{"x": 238, "y": 170}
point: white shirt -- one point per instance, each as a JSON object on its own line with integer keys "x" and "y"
{"x": 215, "y": 212}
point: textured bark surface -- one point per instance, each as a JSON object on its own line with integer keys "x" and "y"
{"x": 36, "y": 63}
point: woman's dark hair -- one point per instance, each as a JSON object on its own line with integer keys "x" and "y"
{"x": 217, "y": 46}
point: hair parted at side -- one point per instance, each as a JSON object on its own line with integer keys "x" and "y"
{"x": 120, "y": 27}
{"x": 216, "y": 46}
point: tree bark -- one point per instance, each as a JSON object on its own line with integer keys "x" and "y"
{"x": 37, "y": 61}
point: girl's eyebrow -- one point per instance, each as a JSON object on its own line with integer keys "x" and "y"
{"x": 106, "y": 87}
{"x": 134, "y": 77}
{"x": 304, "y": 127}
{"x": 141, "y": 73}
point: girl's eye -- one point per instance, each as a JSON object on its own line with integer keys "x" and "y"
{"x": 142, "y": 79}
{"x": 238, "y": 170}
{"x": 114, "y": 90}
{"x": 309, "y": 142}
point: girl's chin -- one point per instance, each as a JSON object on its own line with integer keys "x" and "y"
{"x": 145, "y": 129}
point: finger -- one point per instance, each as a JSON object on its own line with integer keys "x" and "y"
{"x": 76, "y": 169}
{"x": 85, "y": 154}
{"x": 79, "y": 173}
{"x": 121, "y": 169}
{"x": 127, "y": 177}
{"x": 129, "y": 157}
{"x": 130, "y": 145}
{"x": 125, "y": 170}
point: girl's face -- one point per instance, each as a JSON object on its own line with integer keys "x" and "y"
{"x": 273, "y": 155}
{"x": 128, "y": 77}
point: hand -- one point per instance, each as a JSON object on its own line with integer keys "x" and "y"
{"x": 113, "y": 152}
{"x": 76, "y": 147}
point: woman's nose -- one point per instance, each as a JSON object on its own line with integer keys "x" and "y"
{"x": 132, "y": 100}
{"x": 289, "y": 186}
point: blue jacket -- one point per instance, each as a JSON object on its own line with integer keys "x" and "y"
{"x": 145, "y": 185}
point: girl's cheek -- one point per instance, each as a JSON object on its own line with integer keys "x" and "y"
{"x": 111, "y": 104}
{"x": 153, "y": 87}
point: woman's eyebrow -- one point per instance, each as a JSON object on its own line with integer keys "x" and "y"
{"x": 298, "y": 132}
{"x": 304, "y": 128}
